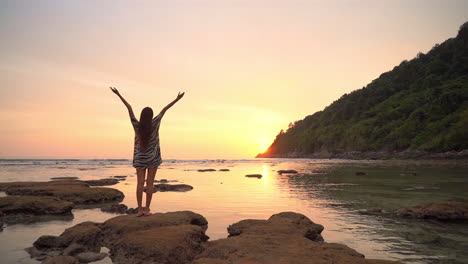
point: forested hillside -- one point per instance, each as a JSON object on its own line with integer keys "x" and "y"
{"x": 421, "y": 104}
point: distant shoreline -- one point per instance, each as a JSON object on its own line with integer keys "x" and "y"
{"x": 452, "y": 157}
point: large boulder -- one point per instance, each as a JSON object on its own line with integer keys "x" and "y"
{"x": 77, "y": 192}
{"x": 285, "y": 238}
{"x": 442, "y": 211}
{"x": 282, "y": 223}
{"x": 168, "y": 244}
{"x": 114, "y": 228}
{"x": 34, "y": 205}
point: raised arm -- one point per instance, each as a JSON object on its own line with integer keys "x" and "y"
{"x": 129, "y": 107}
{"x": 179, "y": 96}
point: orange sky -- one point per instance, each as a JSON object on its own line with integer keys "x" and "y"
{"x": 248, "y": 68}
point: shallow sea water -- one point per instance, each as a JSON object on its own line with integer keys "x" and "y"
{"x": 327, "y": 191}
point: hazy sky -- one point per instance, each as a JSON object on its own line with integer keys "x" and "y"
{"x": 248, "y": 68}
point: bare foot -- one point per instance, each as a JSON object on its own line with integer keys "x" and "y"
{"x": 140, "y": 213}
{"x": 147, "y": 213}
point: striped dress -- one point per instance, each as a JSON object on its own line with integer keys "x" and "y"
{"x": 151, "y": 158}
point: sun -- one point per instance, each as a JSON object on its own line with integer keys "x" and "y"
{"x": 264, "y": 148}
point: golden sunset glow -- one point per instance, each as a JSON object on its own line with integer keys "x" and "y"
{"x": 248, "y": 69}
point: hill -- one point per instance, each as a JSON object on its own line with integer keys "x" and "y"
{"x": 421, "y": 106}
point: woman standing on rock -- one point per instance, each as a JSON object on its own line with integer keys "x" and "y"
{"x": 146, "y": 154}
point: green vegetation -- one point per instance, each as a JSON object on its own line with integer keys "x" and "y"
{"x": 421, "y": 104}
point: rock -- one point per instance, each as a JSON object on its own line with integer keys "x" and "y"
{"x": 64, "y": 178}
{"x": 86, "y": 257}
{"x": 286, "y": 222}
{"x": 87, "y": 234}
{"x": 172, "y": 188}
{"x": 61, "y": 260}
{"x": 254, "y": 176}
{"x": 204, "y": 170}
{"x": 162, "y": 181}
{"x": 132, "y": 211}
{"x": 284, "y": 238}
{"x": 102, "y": 182}
{"x": 34, "y": 205}
{"x": 441, "y": 211}
{"x": 114, "y": 228}
{"x": 175, "y": 244}
{"x": 360, "y": 173}
{"x": 46, "y": 242}
{"x": 119, "y": 177}
{"x": 77, "y": 192}
{"x": 115, "y": 208}
{"x": 179, "y": 238}
{"x": 287, "y": 172}
{"x": 224, "y": 170}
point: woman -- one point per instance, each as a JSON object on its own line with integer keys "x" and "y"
{"x": 146, "y": 152}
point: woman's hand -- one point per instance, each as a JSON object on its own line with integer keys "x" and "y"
{"x": 180, "y": 95}
{"x": 114, "y": 90}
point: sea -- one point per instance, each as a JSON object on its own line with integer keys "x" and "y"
{"x": 355, "y": 201}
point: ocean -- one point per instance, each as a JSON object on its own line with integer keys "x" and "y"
{"x": 327, "y": 191}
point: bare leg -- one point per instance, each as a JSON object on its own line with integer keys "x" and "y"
{"x": 149, "y": 187}
{"x": 139, "y": 190}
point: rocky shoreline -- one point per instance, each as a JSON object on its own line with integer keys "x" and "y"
{"x": 179, "y": 238}
{"x": 375, "y": 155}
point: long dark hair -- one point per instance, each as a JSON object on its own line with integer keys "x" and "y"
{"x": 144, "y": 129}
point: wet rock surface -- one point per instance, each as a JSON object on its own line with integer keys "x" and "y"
{"x": 64, "y": 178}
{"x": 102, "y": 182}
{"x": 205, "y": 170}
{"x": 77, "y": 192}
{"x": 172, "y": 188}
{"x": 115, "y": 208}
{"x": 287, "y": 171}
{"x": 254, "y": 176}
{"x": 448, "y": 211}
{"x": 34, "y": 205}
{"x": 131, "y": 239}
{"x": 179, "y": 237}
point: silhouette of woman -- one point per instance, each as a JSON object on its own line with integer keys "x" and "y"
{"x": 146, "y": 152}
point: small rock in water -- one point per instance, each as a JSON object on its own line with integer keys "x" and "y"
{"x": 132, "y": 211}
{"x": 254, "y": 176}
{"x": 64, "y": 178}
{"x": 102, "y": 182}
{"x": 224, "y": 170}
{"x": 172, "y": 188}
{"x": 203, "y": 170}
{"x": 115, "y": 208}
{"x": 442, "y": 211}
{"x": 287, "y": 172}
{"x": 361, "y": 173}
